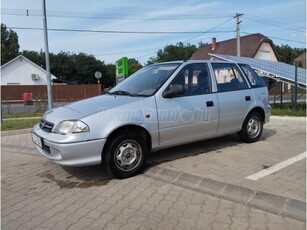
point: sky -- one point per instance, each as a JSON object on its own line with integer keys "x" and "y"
{"x": 283, "y": 21}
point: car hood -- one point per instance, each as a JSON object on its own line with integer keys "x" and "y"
{"x": 86, "y": 107}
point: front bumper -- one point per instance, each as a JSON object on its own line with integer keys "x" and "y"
{"x": 71, "y": 154}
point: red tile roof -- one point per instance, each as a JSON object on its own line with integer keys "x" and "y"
{"x": 249, "y": 47}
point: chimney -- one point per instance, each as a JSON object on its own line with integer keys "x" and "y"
{"x": 213, "y": 43}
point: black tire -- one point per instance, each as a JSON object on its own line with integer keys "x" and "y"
{"x": 125, "y": 155}
{"x": 252, "y": 128}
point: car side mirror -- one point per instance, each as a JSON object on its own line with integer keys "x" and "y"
{"x": 173, "y": 90}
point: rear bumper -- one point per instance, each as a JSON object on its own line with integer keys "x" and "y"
{"x": 267, "y": 114}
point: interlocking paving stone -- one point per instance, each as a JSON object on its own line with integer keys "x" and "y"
{"x": 265, "y": 201}
{"x": 38, "y": 194}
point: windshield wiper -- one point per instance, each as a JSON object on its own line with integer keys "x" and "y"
{"x": 121, "y": 92}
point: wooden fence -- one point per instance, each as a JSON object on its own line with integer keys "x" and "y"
{"x": 60, "y": 92}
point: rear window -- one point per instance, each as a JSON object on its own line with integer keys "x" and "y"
{"x": 252, "y": 76}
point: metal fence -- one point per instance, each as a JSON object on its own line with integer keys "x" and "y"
{"x": 289, "y": 89}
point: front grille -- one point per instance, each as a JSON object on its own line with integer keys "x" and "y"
{"x": 46, "y": 125}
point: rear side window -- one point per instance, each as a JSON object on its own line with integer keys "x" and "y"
{"x": 252, "y": 76}
{"x": 228, "y": 77}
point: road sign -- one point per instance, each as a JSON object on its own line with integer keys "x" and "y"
{"x": 121, "y": 69}
{"x": 98, "y": 76}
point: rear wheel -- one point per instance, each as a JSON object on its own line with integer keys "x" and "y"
{"x": 125, "y": 155}
{"x": 252, "y": 128}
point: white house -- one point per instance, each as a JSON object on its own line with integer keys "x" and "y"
{"x": 22, "y": 71}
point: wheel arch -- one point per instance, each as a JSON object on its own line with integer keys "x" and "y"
{"x": 129, "y": 128}
{"x": 258, "y": 110}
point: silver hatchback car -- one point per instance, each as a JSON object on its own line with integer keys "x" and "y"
{"x": 160, "y": 106}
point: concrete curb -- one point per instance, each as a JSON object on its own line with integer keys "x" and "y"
{"x": 288, "y": 118}
{"x": 15, "y": 132}
{"x": 20, "y": 118}
{"x": 279, "y": 205}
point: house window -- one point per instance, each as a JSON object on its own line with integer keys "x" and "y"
{"x": 265, "y": 55}
{"x": 13, "y": 83}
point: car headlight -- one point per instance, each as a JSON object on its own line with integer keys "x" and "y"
{"x": 67, "y": 127}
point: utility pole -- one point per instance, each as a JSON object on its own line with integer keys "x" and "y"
{"x": 48, "y": 75}
{"x": 238, "y": 34}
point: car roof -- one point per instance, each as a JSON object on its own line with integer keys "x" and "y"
{"x": 196, "y": 61}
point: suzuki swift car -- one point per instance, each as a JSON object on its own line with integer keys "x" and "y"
{"x": 159, "y": 106}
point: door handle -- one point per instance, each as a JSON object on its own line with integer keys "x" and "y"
{"x": 210, "y": 103}
{"x": 247, "y": 98}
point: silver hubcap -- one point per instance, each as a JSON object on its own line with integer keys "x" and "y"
{"x": 128, "y": 155}
{"x": 253, "y": 127}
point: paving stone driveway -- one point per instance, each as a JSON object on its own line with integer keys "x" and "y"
{"x": 38, "y": 194}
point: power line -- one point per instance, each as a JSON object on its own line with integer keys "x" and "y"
{"x": 282, "y": 39}
{"x": 208, "y": 31}
{"x": 124, "y": 52}
{"x": 109, "y": 16}
{"x": 106, "y": 54}
{"x": 216, "y": 36}
{"x": 271, "y": 37}
{"x": 129, "y": 32}
{"x": 114, "y": 31}
{"x": 272, "y": 23}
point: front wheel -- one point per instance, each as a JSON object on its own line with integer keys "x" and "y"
{"x": 125, "y": 155}
{"x": 252, "y": 128}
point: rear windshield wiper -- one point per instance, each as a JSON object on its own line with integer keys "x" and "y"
{"x": 121, "y": 92}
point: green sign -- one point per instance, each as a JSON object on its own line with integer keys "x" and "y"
{"x": 122, "y": 67}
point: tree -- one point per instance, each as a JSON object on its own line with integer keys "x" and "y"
{"x": 200, "y": 44}
{"x": 9, "y": 44}
{"x": 133, "y": 66}
{"x": 173, "y": 53}
{"x": 37, "y": 57}
{"x": 62, "y": 66}
{"x": 85, "y": 67}
{"x": 69, "y": 67}
{"x": 109, "y": 79}
{"x": 287, "y": 54}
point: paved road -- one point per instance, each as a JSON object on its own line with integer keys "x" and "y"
{"x": 188, "y": 187}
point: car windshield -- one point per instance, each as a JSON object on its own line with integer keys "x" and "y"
{"x": 146, "y": 81}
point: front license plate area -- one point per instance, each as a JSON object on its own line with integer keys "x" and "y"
{"x": 37, "y": 140}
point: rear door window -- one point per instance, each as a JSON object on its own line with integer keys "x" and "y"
{"x": 228, "y": 77}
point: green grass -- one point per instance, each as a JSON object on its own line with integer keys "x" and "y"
{"x": 287, "y": 109}
{"x": 18, "y": 124}
{"x": 24, "y": 114}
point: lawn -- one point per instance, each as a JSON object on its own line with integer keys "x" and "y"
{"x": 18, "y": 124}
{"x": 287, "y": 109}
{"x": 20, "y": 115}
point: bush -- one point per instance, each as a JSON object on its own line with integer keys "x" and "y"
{"x": 287, "y": 109}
